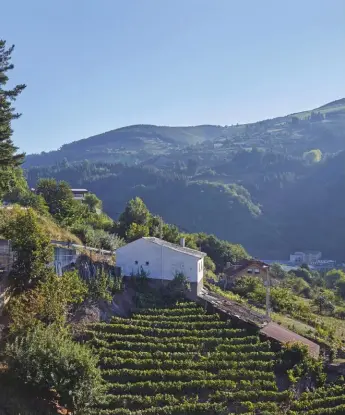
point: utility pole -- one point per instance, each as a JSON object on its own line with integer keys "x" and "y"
{"x": 268, "y": 292}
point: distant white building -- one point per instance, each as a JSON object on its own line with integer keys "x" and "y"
{"x": 79, "y": 194}
{"x": 161, "y": 260}
{"x": 305, "y": 257}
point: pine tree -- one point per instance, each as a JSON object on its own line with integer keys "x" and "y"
{"x": 8, "y": 152}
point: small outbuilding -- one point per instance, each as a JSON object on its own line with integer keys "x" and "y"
{"x": 162, "y": 260}
{"x": 252, "y": 267}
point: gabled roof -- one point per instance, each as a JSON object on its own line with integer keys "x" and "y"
{"x": 169, "y": 245}
{"x": 234, "y": 269}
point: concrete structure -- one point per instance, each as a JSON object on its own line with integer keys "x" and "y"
{"x": 243, "y": 316}
{"x": 323, "y": 265}
{"x": 305, "y": 257}
{"x": 63, "y": 258}
{"x": 282, "y": 335}
{"x": 79, "y": 194}
{"x": 161, "y": 260}
{"x": 65, "y": 255}
{"x": 6, "y": 256}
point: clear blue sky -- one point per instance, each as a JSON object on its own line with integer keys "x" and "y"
{"x": 94, "y": 65}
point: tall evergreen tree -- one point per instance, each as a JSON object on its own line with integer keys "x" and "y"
{"x": 9, "y": 158}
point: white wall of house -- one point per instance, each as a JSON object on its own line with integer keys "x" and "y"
{"x": 160, "y": 262}
{"x": 200, "y": 269}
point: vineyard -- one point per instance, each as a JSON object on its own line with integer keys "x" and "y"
{"x": 180, "y": 360}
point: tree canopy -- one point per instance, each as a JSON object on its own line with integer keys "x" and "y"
{"x": 313, "y": 156}
{"x": 34, "y": 252}
{"x": 10, "y": 160}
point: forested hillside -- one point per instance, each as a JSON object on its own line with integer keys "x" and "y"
{"x": 269, "y": 202}
{"x": 294, "y": 134}
{"x": 274, "y": 186}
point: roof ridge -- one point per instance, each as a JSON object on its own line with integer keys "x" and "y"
{"x": 177, "y": 247}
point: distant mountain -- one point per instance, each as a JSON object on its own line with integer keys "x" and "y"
{"x": 322, "y": 128}
{"x": 128, "y": 144}
{"x": 249, "y": 184}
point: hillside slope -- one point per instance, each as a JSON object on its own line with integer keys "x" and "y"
{"x": 320, "y": 128}
{"x": 249, "y": 184}
{"x": 274, "y": 208}
{"x": 128, "y": 144}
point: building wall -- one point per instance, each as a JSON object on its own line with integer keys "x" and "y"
{"x": 200, "y": 269}
{"x": 297, "y": 257}
{"x": 305, "y": 257}
{"x": 252, "y": 270}
{"x": 255, "y": 271}
{"x": 313, "y": 257}
{"x": 158, "y": 261}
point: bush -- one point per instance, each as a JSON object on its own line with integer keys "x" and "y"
{"x": 250, "y": 287}
{"x": 104, "y": 285}
{"x": 48, "y": 359}
{"x": 178, "y": 287}
{"x": 295, "y": 359}
{"x": 140, "y": 278}
{"x": 33, "y": 249}
{"x": 105, "y": 240}
{"x": 27, "y": 198}
{"x": 97, "y": 238}
{"x": 49, "y": 303}
{"x": 293, "y": 354}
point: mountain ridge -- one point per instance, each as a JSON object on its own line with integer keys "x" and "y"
{"x": 137, "y": 143}
{"x": 250, "y": 184}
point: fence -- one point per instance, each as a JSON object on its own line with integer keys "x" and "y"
{"x": 6, "y": 257}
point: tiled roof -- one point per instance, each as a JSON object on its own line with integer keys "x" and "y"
{"x": 185, "y": 250}
{"x": 234, "y": 269}
{"x": 283, "y": 335}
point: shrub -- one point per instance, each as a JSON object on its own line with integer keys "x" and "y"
{"x": 48, "y": 359}
{"x": 105, "y": 240}
{"x": 102, "y": 286}
{"x": 178, "y": 287}
{"x": 50, "y": 302}
{"x": 33, "y": 249}
{"x": 295, "y": 359}
{"x": 140, "y": 280}
{"x": 97, "y": 238}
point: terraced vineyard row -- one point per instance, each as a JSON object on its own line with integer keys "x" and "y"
{"x": 323, "y": 401}
{"x": 183, "y": 361}
{"x": 180, "y": 360}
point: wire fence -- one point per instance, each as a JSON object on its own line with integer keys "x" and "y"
{"x": 6, "y": 262}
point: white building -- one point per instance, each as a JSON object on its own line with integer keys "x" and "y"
{"x": 161, "y": 260}
{"x": 305, "y": 257}
{"x": 79, "y": 194}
